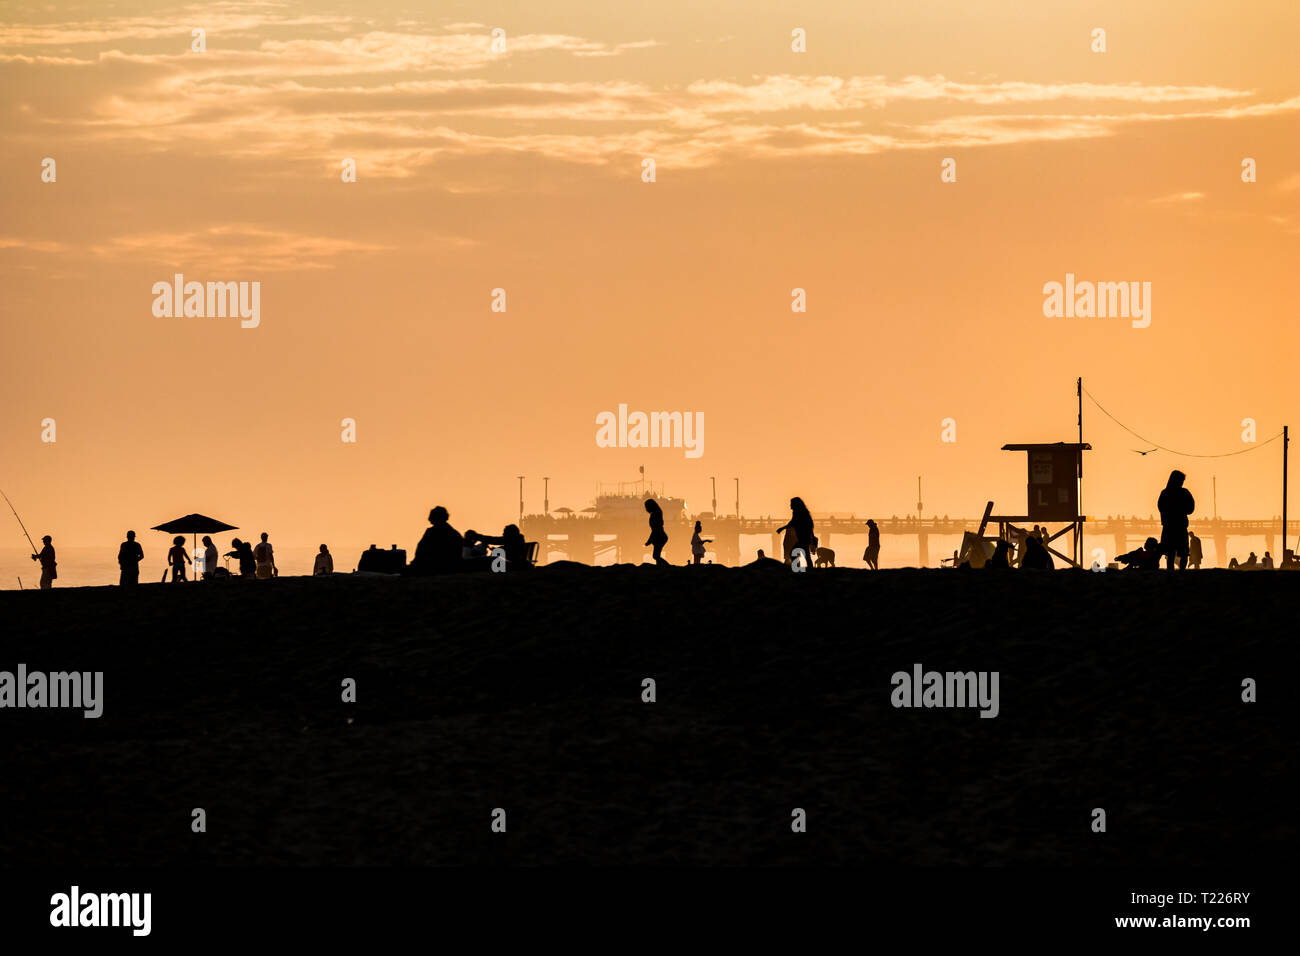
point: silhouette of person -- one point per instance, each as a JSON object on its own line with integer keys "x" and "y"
{"x": 1036, "y": 557}
{"x": 658, "y": 536}
{"x": 801, "y": 523}
{"x": 698, "y": 543}
{"x": 324, "y": 562}
{"x": 210, "y": 558}
{"x": 177, "y": 558}
{"x": 1267, "y": 562}
{"x": 1175, "y": 504}
{"x": 243, "y": 552}
{"x": 129, "y": 556}
{"x": 1194, "y": 552}
{"x": 439, "y": 550}
{"x": 872, "y": 554}
{"x": 264, "y": 557}
{"x": 1001, "y": 558}
{"x": 49, "y": 566}
{"x": 511, "y": 540}
{"x": 1145, "y": 558}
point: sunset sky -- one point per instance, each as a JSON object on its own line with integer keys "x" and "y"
{"x": 522, "y": 170}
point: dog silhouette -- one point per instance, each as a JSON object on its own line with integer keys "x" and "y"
{"x": 825, "y": 558}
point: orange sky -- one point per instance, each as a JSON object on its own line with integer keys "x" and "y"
{"x": 522, "y": 170}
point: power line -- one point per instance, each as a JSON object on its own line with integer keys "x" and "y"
{"x": 1181, "y": 454}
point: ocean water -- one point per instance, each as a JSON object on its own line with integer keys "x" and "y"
{"x": 90, "y": 567}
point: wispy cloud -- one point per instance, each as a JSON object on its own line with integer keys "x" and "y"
{"x": 399, "y": 96}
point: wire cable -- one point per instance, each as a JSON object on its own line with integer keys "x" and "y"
{"x": 1182, "y": 454}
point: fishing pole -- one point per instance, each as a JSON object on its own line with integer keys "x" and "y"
{"x": 20, "y": 524}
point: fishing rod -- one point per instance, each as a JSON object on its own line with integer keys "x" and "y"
{"x": 20, "y": 524}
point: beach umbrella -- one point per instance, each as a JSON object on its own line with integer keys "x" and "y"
{"x": 563, "y": 511}
{"x": 194, "y": 524}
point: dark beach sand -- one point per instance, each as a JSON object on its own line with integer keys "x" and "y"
{"x": 1119, "y": 691}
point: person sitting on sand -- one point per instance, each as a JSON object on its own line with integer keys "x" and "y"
{"x": 1266, "y": 562}
{"x": 763, "y": 561}
{"x": 1001, "y": 559}
{"x": 698, "y": 543}
{"x": 439, "y": 550}
{"x": 658, "y": 536}
{"x": 129, "y": 556}
{"x": 1036, "y": 556}
{"x": 177, "y": 558}
{"x": 243, "y": 552}
{"x": 1145, "y": 558}
{"x": 324, "y": 562}
{"x": 511, "y": 541}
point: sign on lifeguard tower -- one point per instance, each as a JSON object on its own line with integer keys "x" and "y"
{"x": 1053, "y": 480}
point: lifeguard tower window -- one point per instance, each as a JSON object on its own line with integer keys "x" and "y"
{"x": 1053, "y": 480}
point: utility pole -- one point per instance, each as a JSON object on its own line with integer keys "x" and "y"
{"x": 919, "y": 506}
{"x": 1215, "y": 479}
{"x": 715, "y": 495}
{"x": 521, "y": 498}
{"x": 1078, "y": 537}
{"x": 1286, "y": 440}
{"x": 546, "y": 496}
{"x": 737, "y": 497}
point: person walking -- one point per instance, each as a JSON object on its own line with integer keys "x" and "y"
{"x": 658, "y": 536}
{"x": 872, "y": 554}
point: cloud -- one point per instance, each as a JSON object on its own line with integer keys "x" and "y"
{"x": 1179, "y": 197}
{"x": 399, "y": 96}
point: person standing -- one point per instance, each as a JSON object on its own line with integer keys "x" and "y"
{"x": 49, "y": 566}
{"x": 1175, "y": 504}
{"x": 178, "y": 558}
{"x": 209, "y": 558}
{"x": 264, "y": 555}
{"x": 872, "y": 554}
{"x": 698, "y": 543}
{"x": 1195, "y": 555}
{"x": 129, "y": 556}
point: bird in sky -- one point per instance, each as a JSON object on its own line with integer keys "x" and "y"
{"x": 1143, "y": 453}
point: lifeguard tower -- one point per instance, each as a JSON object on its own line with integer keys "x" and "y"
{"x": 1054, "y": 473}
